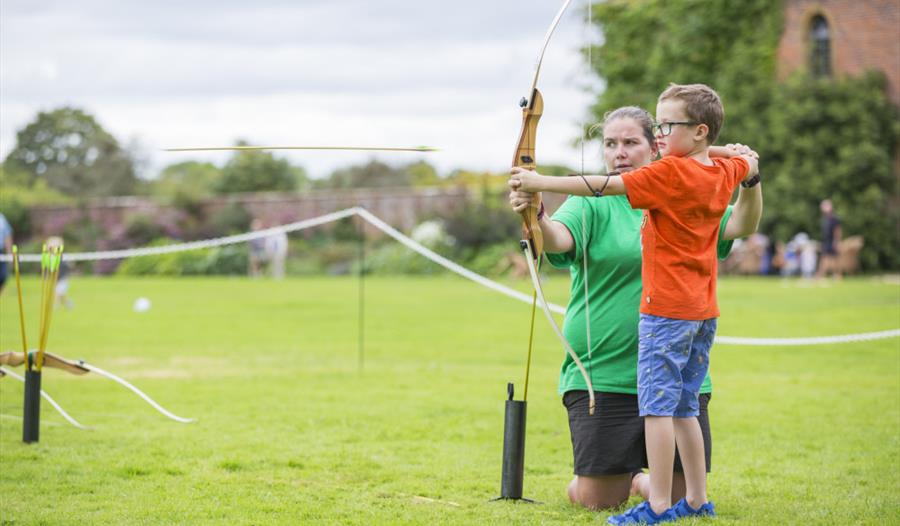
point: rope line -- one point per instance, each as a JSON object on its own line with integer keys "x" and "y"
{"x": 47, "y": 397}
{"x": 436, "y": 258}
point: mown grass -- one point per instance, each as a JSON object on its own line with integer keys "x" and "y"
{"x": 290, "y": 430}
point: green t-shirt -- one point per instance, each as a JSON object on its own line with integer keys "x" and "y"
{"x": 613, "y": 238}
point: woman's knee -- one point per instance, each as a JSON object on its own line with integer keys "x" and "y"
{"x": 598, "y": 493}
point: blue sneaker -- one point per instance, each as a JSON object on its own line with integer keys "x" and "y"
{"x": 642, "y": 514}
{"x": 683, "y": 509}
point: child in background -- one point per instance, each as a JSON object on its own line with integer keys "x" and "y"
{"x": 62, "y": 283}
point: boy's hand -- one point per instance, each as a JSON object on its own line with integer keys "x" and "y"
{"x": 742, "y": 149}
{"x": 524, "y": 180}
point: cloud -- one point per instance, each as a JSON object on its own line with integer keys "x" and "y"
{"x": 384, "y": 73}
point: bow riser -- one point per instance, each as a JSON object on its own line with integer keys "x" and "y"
{"x": 524, "y": 157}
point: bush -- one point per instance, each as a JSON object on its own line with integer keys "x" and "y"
{"x": 17, "y": 215}
{"x": 230, "y": 259}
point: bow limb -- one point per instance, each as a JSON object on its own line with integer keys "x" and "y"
{"x": 136, "y": 391}
{"x": 47, "y": 397}
{"x": 533, "y": 238}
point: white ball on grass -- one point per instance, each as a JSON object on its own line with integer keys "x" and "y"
{"x": 141, "y": 305}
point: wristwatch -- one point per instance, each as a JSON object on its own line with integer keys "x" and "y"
{"x": 750, "y": 183}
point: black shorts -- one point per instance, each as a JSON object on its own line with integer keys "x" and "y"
{"x": 611, "y": 441}
{"x": 4, "y": 274}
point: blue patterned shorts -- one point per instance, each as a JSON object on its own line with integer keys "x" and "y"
{"x": 673, "y": 358}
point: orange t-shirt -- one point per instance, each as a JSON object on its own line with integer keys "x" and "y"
{"x": 683, "y": 203}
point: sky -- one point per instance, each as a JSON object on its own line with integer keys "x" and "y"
{"x": 302, "y": 72}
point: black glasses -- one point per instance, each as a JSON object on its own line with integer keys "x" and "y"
{"x": 665, "y": 128}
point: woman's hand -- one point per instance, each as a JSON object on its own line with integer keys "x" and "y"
{"x": 525, "y": 180}
{"x": 520, "y": 201}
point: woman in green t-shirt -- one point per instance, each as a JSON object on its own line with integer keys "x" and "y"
{"x": 599, "y": 240}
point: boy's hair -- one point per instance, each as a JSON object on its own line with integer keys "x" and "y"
{"x": 701, "y": 104}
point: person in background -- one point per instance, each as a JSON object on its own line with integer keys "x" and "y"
{"x": 258, "y": 256}
{"x": 807, "y": 255}
{"x": 831, "y": 237}
{"x": 6, "y": 235}
{"x": 276, "y": 251}
{"x": 62, "y": 283}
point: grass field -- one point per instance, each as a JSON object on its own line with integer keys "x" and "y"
{"x": 291, "y": 431}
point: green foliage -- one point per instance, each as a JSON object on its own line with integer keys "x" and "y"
{"x": 18, "y": 193}
{"x": 72, "y": 153}
{"x": 423, "y": 174}
{"x": 259, "y": 171}
{"x": 18, "y": 217}
{"x": 374, "y": 174}
{"x": 492, "y": 260}
{"x": 396, "y": 259}
{"x": 650, "y": 43}
{"x": 187, "y": 181}
{"x": 232, "y": 219}
{"x": 140, "y": 229}
{"x": 231, "y": 259}
{"x": 816, "y": 138}
{"x": 82, "y": 233}
{"x": 480, "y": 223}
{"x": 837, "y": 140}
{"x": 488, "y": 182}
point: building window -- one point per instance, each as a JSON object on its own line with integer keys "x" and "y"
{"x": 820, "y": 47}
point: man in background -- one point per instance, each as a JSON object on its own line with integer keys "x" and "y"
{"x": 831, "y": 237}
{"x": 6, "y": 235}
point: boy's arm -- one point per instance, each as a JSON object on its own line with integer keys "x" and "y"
{"x": 731, "y": 150}
{"x": 525, "y": 180}
{"x": 738, "y": 150}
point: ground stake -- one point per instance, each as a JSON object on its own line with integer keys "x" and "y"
{"x": 31, "y": 413}
{"x": 513, "y": 449}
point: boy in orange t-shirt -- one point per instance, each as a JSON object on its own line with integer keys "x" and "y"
{"x": 684, "y": 196}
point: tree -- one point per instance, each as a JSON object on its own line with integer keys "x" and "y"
{"x": 423, "y": 174}
{"x": 259, "y": 171}
{"x": 370, "y": 175}
{"x": 69, "y": 150}
{"x": 189, "y": 180}
{"x": 837, "y": 140}
{"x": 817, "y": 138}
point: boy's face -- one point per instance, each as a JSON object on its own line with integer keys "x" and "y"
{"x": 683, "y": 138}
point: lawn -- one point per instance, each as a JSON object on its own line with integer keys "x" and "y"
{"x": 293, "y": 427}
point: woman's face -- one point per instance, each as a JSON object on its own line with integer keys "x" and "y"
{"x": 625, "y": 146}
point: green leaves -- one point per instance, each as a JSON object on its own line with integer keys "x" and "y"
{"x": 73, "y": 154}
{"x": 817, "y": 138}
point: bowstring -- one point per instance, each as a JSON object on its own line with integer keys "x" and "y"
{"x": 584, "y": 205}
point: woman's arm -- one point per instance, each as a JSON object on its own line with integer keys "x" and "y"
{"x": 747, "y": 211}
{"x": 557, "y": 238}
{"x": 745, "y": 216}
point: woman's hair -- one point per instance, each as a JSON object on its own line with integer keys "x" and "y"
{"x": 640, "y": 115}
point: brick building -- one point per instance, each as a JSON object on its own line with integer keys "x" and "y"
{"x": 842, "y": 37}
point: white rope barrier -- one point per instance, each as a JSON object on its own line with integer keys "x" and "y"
{"x": 431, "y": 255}
{"x": 818, "y": 340}
{"x": 47, "y": 397}
{"x": 192, "y": 245}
